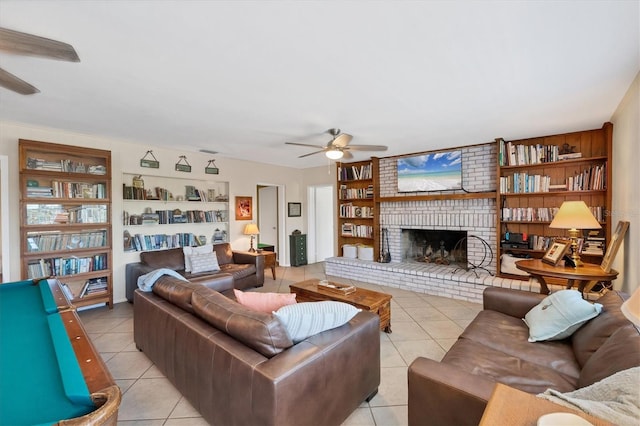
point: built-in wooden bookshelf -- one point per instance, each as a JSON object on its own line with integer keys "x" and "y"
{"x": 164, "y": 212}
{"x": 535, "y": 176}
{"x": 65, "y": 223}
{"x": 357, "y": 209}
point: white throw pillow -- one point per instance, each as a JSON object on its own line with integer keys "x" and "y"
{"x": 559, "y": 315}
{"x": 204, "y": 262}
{"x": 302, "y": 320}
{"x": 188, "y": 251}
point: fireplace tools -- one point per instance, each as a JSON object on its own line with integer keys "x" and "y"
{"x": 385, "y": 255}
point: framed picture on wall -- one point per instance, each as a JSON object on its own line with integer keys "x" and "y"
{"x": 295, "y": 209}
{"x": 244, "y": 208}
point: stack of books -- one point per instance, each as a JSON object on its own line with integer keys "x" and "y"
{"x": 94, "y": 285}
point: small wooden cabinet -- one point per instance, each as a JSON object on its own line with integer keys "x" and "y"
{"x": 298, "y": 249}
{"x": 65, "y": 223}
{"x": 534, "y": 178}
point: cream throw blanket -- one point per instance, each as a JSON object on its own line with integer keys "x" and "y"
{"x": 615, "y": 398}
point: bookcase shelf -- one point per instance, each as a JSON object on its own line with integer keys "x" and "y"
{"x": 65, "y": 223}
{"x": 591, "y": 171}
{"x": 162, "y": 212}
{"x": 357, "y": 209}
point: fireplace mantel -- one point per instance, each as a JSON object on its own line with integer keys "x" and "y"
{"x": 465, "y": 196}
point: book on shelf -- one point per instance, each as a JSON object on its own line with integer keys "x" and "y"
{"x": 569, "y": 156}
{"x": 67, "y": 291}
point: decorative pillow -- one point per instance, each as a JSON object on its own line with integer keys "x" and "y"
{"x": 188, "y": 251}
{"x": 264, "y": 302}
{"x": 205, "y": 262}
{"x": 559, "y": 315}
{"x": 302, "y": 320}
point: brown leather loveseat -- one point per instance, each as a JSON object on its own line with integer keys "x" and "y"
{"x": 237, "y": 366}
{"x": 494, "y": 348}
{"x": 246, "y": 268}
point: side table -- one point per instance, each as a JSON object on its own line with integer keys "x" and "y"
{"x": 582, "y": 275}
{"x": 270, "y": 262}
{"x": 511, "y": 406}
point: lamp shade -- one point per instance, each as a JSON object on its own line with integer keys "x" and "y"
{"x": 251, "y": 229}
{"x": 631, "y": 308}
{"x": 574, "y": 215}
{"x": 334, "y": 154}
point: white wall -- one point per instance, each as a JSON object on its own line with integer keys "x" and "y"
{"x": 243, "y": 178}
{"x": 626, "y": 191}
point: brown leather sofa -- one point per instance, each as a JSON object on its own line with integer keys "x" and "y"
{"x": 494, "y": 348}
{"x": 246, "y": 268}
{"x": 237, "y": 366}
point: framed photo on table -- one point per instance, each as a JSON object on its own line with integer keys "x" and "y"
{"x": 557, "y": 249}
{"x": 295, "y": 209}
{"x": 244, "y": 208}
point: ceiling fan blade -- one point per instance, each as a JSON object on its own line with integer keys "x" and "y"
{"x": 11, "y": 82}
{"x": 305, "y": 144}
{"x": 347, "y": 155}
{"x": 342, "y": 140}
{"x": 367, "y": 147}
{"x": 28, "y": 44}
{"x": 311, "y": 153}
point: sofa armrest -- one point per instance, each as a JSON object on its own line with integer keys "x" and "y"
{"x": 220, "y": 282}
{"x": 132, "y": 272}
{"x": 440, "y": 394}
{"x": 515, "y": 303}
{"x": 256, "y": 259}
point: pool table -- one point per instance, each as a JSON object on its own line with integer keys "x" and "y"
{"x": 50, "y": 373}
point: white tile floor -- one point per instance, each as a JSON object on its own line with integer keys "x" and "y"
{"x": 422, "y": 325}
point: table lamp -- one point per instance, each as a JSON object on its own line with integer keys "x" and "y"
{"x": 631, "y": 308}
{"x": 574, "y": 216}
{"x": 251, "y": 229}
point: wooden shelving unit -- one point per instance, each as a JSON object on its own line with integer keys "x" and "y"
{"x": 529, "y": 210}
{"x": 165, "y": 212}
{"x": 65, "y": 223}
{"x": 357, "y": 206}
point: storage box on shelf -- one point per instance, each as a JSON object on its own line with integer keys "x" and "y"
{"x": 65, "y": 223}
{"x": 357, "y": 215}
{"x": 163, "y": 212}
{"x": 535, "y": 176}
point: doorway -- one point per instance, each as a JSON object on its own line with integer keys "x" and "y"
{"x": 270, "y": 220}
{"x": 321, "y": 232}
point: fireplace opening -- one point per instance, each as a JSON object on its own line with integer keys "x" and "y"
{"x": 441, "y": 247}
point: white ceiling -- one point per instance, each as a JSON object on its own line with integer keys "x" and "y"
{"x": 243, "y": 77}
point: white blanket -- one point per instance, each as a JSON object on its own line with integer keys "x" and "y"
{"x": 615, "y": 398}
{"x": 147, "y": 281}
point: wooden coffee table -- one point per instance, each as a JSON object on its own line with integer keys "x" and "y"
{"x": 367, "y": 300}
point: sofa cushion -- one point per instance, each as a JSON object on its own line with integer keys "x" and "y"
{"x": 531, "y": 377}
{"x": 189, "y": 251}
{"x": 593, "y": 334}
{"x": 264, "y": 302}
{"x": 303, "y": 320}
{"x": 260, "y": 331}
{"x": 171, "y": 258}
{"x": 619, "y": 352}
{"x": 204, "y": 262}
{"x": 224, "y": 253}
{"x": 175, "y": 291}
{"x": 559, "y": 315}
{"x": 238, "y": 270}
{"x": 509, "y": 335}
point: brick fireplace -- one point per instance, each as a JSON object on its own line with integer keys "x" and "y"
{"x": 474, "y": 216}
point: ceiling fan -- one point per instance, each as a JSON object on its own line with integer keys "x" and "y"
{"x": 19, "y": 43}
{"x": 338, "y": 147}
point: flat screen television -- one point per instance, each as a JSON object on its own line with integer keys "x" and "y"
{"x": 440, "y": 171}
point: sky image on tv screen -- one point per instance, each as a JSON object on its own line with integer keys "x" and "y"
{"x": 440, "y": 171}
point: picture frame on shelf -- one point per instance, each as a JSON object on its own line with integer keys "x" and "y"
{"x": 556, "y": 251}
{"x": 294, "y": 209}
{"x": 616, "y": 240}
{"x": 244, "y": 208}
